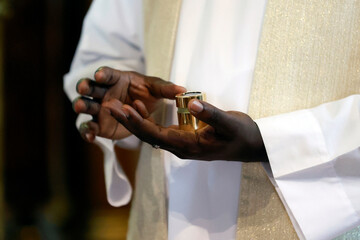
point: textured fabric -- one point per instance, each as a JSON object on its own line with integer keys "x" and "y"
{"x": 148, "y": 219}
{"x": 317, "y": 48}
{"x": 120, "y": 49}
{"x": 300, "y": 57}
{"x": 315, "y": 162}
{"x": 160, "y": 27}
{"x": 215, "y": 53}
{"x": 309, "y": 54}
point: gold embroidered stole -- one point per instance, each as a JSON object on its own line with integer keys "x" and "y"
{"x": 309, "y": 54}
{"x": 148, "y": 219}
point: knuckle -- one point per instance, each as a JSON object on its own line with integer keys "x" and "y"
{"x": 95, "y": 108}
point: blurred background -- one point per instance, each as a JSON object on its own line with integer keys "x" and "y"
{"x": 51, "y": 182}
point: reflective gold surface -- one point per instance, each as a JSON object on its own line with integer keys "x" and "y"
{"x": 187, "y": 121}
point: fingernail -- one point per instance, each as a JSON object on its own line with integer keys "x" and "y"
{"x": 196, "y": 107}
{"x": 73, "y": 103}
{"x": 78, "y": 83}
{"x": 120, "y": 115}
{"x": 89, "y": 136}
{"x": 125, "y": 112}
{"x": 84, "y": 125}
{"x": 182, "y": 89}
{"x": 98, "y": 69}
{"x": 122, "y": 118}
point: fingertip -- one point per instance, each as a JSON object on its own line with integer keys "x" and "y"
{"x": 99, "y": 74}
{"x": 126, "y": 111}
{"x": 195, "y": 107}
{"x": 180, "y": 89}
{"x": 140, "y": 107}
{"x": 90, "y": 137}
{"x": 78, "y": 105}
{"x": 99, "y": 69}
{"x": 78, "y": 84}
{"x": 82, "y": 88}
{"x": 73, "y": 103}
{"x": 88, "y": 131}
{"x": 132, "y": 113}
{"x": 177, "y": 90}
{"x": 84, "y": 131}
{"x": 170, "y": 90}
{"x": 209, "y": 114}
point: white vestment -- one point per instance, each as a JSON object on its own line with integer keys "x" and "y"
{"x": 215, "y": 52}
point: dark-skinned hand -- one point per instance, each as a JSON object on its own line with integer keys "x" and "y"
{"x": 126, "y": 88}
{"x": 228, "y": 135}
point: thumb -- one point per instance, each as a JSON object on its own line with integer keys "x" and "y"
{"x": 209, "y": 114}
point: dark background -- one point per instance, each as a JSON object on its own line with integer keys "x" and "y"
{"x": 53, "y": 181}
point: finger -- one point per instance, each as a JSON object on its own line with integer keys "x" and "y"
{"x": 90, "y": 88}
{"x": 147, "y": 130}
{"x": 140, "y": 107}
{"x": 163, "y": 89}
{"x": 107, "y": 76}
{"x": 88, "y": 131}
{"x": 207, "y": 136}
{"x": 86, "y": 105}
{"x": 114, "y": 106}
{"x": 181, "y": 143}
{"x": 110, "y": 127}
{"x": 211, "y": 115}
{"x": 124, "y": 114}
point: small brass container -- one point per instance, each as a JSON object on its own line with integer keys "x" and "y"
{"x": 187, "y": 121}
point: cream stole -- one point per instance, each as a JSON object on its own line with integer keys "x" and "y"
{"x": 309, "y": 54}
{"x": 148, "y": 219}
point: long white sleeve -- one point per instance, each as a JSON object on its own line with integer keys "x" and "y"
{"x": 315, "y": 160}
{"x": 111, "y": 36}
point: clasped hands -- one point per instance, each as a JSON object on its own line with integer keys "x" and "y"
{"x": 121, "y": 104}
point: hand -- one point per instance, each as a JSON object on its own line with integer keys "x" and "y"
{"x": 228, "y": 135}
{"x": 126, "y": 87}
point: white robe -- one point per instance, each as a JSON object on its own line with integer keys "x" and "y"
{"x": 215, "y": 53}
